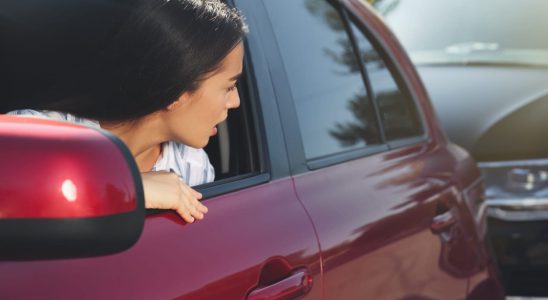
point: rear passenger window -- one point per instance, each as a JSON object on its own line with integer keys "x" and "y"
{"x": 334, "y": 111}
{"x": 398, "y": 112}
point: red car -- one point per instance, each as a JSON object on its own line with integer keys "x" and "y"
{"x": 334, "y": 181}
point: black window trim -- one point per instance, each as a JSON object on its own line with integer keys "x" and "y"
{"x": 365, "y": 76}
{"x": 257, "y": 134}
{"x": 367, "y": 150}
{"x": 298, "y": 163}
{"x": 340, "y": 157}
{"x": 271, "y": 92}
{"x": 224, "y": 186}
{"x": 293, "y": 138}
{"x": 242, "y": 181}
{"x": 402, "y": 82}
{"x": 264, "y": 173}
{"x": 232, "y": 184}
{"x": 281, "y": 92}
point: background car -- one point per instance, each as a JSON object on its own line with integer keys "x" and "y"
{"x": 334, "y": 181}
{"x": 485, "y": 66}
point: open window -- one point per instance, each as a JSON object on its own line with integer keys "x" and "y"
{"x": 234, "y": 151}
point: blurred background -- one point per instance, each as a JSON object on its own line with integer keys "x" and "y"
{"x": 485, "y": 66}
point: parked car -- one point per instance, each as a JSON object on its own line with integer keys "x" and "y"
{"x": 334, "y": 181}
{"x": 485, "y": 66}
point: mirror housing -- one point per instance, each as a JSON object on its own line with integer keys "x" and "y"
{"x": 65, "y": 191}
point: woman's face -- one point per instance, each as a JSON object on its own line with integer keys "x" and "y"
{"x": 193, "y": 118}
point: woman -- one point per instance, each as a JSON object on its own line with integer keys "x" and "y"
{"x": 164, "y": 80}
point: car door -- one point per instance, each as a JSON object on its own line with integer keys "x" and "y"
{"x": 369, "y": 166}
{"x": 256, "y": 241}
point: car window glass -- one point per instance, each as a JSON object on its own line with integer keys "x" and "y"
{"x": 332, "y": 105}
{"x": 398, "y": 112}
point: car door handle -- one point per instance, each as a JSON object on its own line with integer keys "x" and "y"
{"x": 296, "y": 285}
{"x": 441, "y": 223}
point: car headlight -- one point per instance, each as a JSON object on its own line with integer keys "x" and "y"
{"x": 517, "y": 190}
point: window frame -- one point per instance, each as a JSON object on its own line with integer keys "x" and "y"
{"x": 246, "y": 180}
{"x": 283, "y": 102}
{"x": 254, "y": 131}
{"x": 270, "y": 145}
{"x": 299, "y": 162}
{"x": 395, "y": 71}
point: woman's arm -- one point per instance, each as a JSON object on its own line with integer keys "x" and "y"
{"x": 165, "y": 190}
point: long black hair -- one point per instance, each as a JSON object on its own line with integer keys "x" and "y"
{"x": 144, "y": 60}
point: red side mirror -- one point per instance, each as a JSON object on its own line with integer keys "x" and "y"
{"x": 65, "y": 191}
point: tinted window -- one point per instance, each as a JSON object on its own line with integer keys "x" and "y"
{"x": 398, "y": 112}
{"x": 333, "y": 108}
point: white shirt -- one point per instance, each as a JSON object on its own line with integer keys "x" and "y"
{"x": 190, "y": 164}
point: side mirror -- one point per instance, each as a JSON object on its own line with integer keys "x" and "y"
{"x": 65, "y": 191}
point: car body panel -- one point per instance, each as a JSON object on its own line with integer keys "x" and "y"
{"x": 373, "y": 218}
{"x": 220, "y": 257}
{"x": 353, "y": 203}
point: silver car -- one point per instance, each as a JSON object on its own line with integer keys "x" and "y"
{"x": 485, "y": 66}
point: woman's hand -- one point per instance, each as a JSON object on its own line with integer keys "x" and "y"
{"x": 164, "y": 190}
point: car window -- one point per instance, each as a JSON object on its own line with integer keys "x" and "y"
{"x": 333, "y": 108}
{"x": 234, "y": 150}
{"x": 398, "y": 112}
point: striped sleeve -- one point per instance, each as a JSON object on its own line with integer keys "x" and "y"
{"x": 198, "y": 167}
{"x": 190, "y": 164}
{"x": 29, "y": 112}
{"x": 54, "y": 115}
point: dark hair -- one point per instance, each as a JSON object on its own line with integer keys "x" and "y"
{"x": 161, "y": 49}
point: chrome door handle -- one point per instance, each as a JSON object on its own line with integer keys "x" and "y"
{"x": 291, "y": 287}
{"x": 443, "y": 222}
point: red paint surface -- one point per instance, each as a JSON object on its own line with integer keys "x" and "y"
{"x": 39, "y": 156}
{"x": 373, "y": 217}
{"x": 221, "y": 257}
